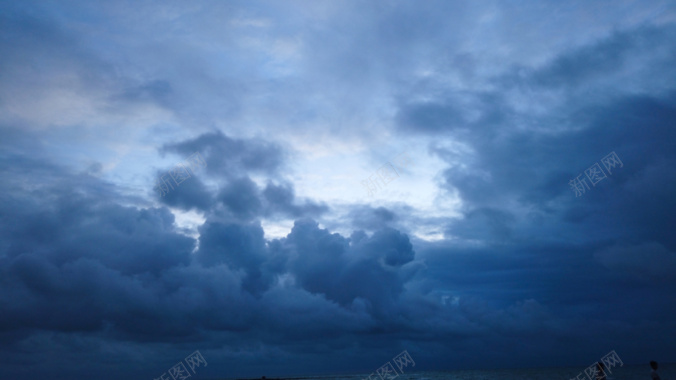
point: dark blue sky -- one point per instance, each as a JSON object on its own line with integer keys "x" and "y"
{"x": 272, "y": 258}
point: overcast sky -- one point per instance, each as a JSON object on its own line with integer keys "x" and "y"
{"x": 307, "y": 187}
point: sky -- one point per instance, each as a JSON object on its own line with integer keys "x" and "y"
{"x": 313, "y": 187}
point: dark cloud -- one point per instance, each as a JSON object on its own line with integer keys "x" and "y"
{"x": 88, "y": 266}
{"x": 524, "y": 238}
{"x": 485, "y": 223}
{"x": 371, "y": 219}
{"x": 580, "y": 66}
{"x": 281, "y": 199}
{"x": 650, "y": 260}
{"x": 229, "y": 162}
{"x": 240, "y": 247}
{"x": 228, "y": 157}
{"x": 187, "y": 194}
{"x": 242, "y": 197}
{"x": 97, "y": 279}
{"x": 329, "y": 264}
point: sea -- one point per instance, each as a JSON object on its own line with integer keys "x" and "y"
{"x": 627, "y": 372}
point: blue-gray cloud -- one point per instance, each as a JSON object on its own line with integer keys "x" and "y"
{"x": 98, "y": 269}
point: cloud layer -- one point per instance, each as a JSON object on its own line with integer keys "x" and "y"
{"x": 267, "y": 259}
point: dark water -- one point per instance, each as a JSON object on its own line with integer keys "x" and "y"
{"x": 635, "y": 372}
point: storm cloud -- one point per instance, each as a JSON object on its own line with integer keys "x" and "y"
{"x": 274, "y": 256}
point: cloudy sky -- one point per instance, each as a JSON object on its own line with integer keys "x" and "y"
{"x": 308, "y": 187}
